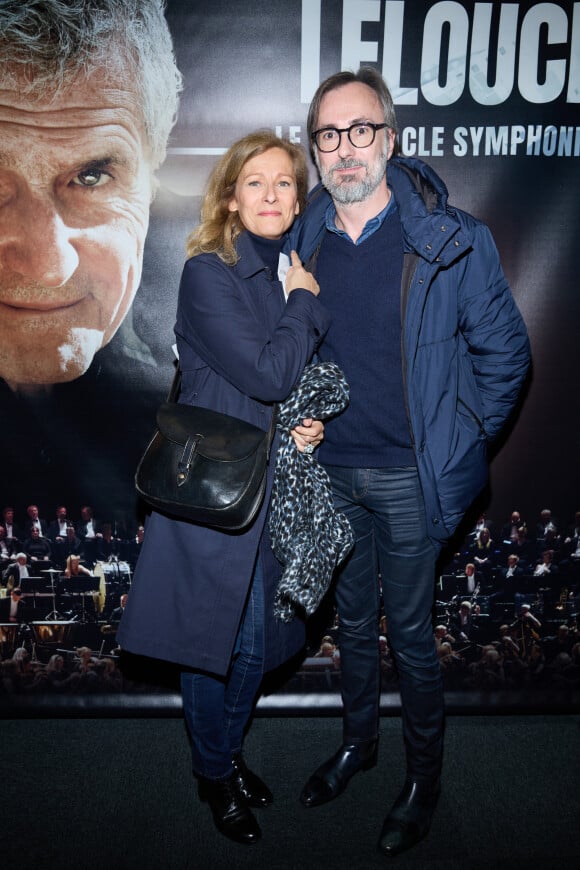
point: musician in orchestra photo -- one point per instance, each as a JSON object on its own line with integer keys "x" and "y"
{"x": 7, "y": 545}
{"x": 88, "y": 529}
{"x": 13, "y": 608}
{"x": 56, "y": 677}
{"x": 117, "y": 612}
{"x": 509, "y": 530}
{"x": 484, "y": 553}
{"x": 16, "y": 571}
{"x": 37, "y": 547}
{"x": 512, "y": 569}
{"x": 34, "y": 521}
{"x": 442, "y": 635}
{"x": 70, "y": 545}
{"x": 471, "y": 579}
{"x": 13, "y": 532}
{"x": 463, "y": 625}
{"x": 525, "y": 630}
{"x": 488, "y": 671}
{"x": 57, "y": 526}
{"x": 523, "y": 548}
{"x": 546, "y": 565}
{"x": 74, "y": 568}
{"x": 108, "y": 544}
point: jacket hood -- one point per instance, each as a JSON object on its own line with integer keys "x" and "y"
{"x": 428, "y": 224}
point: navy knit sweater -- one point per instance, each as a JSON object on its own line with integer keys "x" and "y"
{"x": 361, "y": 289}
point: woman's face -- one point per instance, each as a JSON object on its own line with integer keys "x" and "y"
{"x": 266, "y": 196}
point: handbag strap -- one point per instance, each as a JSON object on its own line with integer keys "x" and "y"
{"x": 174, "y": 393}
{"x": 175, "y": 384}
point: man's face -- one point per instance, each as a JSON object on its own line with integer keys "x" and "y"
{"x": 353, "y": 174}
{"x": 32, "y": 512}
{"x": 75, "y": 189}
{"x": 61, "y": 513}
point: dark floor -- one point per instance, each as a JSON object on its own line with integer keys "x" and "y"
{"x": 116, "y": 794}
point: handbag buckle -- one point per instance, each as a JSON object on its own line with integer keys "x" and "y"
{"x": 186, "y": 460}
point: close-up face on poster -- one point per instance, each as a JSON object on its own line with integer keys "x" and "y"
{"x": 113, "y": 114}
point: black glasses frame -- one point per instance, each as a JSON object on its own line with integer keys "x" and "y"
{"x": 348, "y": 131}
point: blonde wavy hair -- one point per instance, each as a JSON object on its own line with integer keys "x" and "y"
{"x": 220, "y": 228}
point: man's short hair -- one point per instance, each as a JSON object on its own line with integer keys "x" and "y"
{"x": 45, "y": 45}
{"x": 366, "y": 75}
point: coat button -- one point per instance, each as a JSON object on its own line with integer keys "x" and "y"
{"x": 443, "y": 229}
{"x": 428, "y": 247}
{"x": 435, "y": 521}
{"x": 456, "y": 243}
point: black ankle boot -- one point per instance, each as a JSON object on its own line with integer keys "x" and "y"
{"x": 231, "y": 813}
{"x": 332, "y": 777}
{"x": 409, "y": 819}
{"x": 255, "y": 791}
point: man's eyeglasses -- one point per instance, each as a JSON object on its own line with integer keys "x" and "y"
{"x": 359, "y": 135}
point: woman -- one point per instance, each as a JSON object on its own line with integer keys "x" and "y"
{"x": 202, "y": 597}
{"x": 73, "y": 567}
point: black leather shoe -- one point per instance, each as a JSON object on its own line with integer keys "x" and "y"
{"x": 256, "y": 792}
{"x": 332, "y": 777}
{"x": 231, "y": 813}
{"x": 409, "y": 820}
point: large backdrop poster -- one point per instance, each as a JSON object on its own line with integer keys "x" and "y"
{"x": 486, "y": 92}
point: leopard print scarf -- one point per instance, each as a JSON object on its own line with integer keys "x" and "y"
{"x": 309, "y": 537}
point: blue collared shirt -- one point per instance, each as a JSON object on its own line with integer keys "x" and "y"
{"x": 370, "y": 227}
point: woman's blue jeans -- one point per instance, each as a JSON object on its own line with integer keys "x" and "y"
{"x": 386, "y": 510}
{"x": 217, "y": 709}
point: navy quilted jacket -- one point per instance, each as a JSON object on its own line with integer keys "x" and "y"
{"x": 465, "y": 345}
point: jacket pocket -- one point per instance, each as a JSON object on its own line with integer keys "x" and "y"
{"x": 462, "y": 477}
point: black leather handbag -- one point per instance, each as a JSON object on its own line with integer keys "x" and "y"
{"x": 204, "y": 466}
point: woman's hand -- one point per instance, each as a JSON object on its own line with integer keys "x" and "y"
{"x": 308, "y": 436}
{"x": 298, "y": 277}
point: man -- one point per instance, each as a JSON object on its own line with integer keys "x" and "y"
{"x": 70, "y": 545}
{"x": 34, "y": 521}
{"x": 512, "y": 569}
{"x": 509, "y": 531}
{"x": 16, "y": 571}
{"x": 57, "y": 527}
{"x": 13, "y": 532}
{"x": 13, "y": 609}
{"x": 462, "y": 624}
{"x": 88, "y": 96}
{"x": 426, "y": 396}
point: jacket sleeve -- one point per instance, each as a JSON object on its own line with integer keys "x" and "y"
{"x": 222, "y": 317}
{"x": 494, "y": 332}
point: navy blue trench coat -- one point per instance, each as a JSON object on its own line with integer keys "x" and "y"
{"x": 241, "y": 349}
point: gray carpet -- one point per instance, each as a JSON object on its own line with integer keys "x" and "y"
{"x": 116, "y": 794}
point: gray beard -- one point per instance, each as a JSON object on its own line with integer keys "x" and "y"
{"x": 346, "y": 192}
